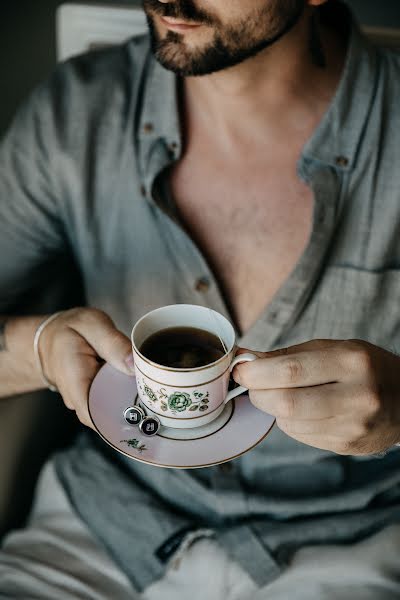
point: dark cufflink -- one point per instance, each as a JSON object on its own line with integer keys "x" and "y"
{"x": 150, "y": 426}
{"x": 133, "y": 415}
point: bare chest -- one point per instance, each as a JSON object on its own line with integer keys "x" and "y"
{"x": 251, "y": 225}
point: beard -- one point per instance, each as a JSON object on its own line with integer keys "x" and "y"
{"x": 231, "y": 44}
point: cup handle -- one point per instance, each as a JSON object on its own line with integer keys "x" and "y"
{"x": 246, "y": 357}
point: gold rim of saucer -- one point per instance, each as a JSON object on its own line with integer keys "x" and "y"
{"x": 178, "y": 466}
{"x": 157, "y": 464}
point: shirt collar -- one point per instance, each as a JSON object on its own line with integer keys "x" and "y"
{"x": 160, "y": 116}
{"x": 336, "y": 139}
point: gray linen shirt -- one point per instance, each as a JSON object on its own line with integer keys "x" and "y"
{"x": 79, "y": 177}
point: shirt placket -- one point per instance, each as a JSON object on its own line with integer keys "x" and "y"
{"x": 193, "y": 268}
{"x": 286, "y": 306}
{"x": 230, "y": 499}
{"x": 245, "y": 542}
{"x": 231, "y": 502}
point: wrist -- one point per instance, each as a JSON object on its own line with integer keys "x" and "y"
{"x": 38, "y": 350}
{"x": 18, "y": 369}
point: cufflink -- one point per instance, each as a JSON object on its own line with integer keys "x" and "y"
{"x": 134, "y": 415}
{"x": 150, "y": 426}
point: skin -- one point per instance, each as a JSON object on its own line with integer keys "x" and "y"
{"x": 331, "y": 394}
{"x": 89, "y": 338}
{"x": 339, "y": 395}
{"x": 3, "y": 344}
{"x": 281, "y": 75}
{"x": 217, "y": 39}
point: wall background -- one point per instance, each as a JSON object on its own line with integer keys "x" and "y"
{"x": 27, "y": 51}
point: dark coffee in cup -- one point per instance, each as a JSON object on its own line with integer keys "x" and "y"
{"x": 182, "y": 347}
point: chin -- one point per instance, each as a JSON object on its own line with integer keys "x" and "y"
{"x": 176, "y": 54}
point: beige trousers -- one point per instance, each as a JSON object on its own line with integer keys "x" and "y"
{"x": 56, "y": 558}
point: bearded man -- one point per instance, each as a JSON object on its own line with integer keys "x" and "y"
{"x": 243, "y": 156}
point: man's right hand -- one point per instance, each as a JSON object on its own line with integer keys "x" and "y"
{"x": 74, "y": 346}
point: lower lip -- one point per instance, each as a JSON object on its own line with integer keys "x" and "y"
{"x": 178, "y": 27}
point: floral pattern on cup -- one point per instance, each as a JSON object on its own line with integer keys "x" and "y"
{"x": 177, "y": 402}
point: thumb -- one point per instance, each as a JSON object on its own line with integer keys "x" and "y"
{"x": 259, "y": 354}
{"x": 120, "y": 354}
{"x": 305, "y": 346}
{"x": 113, "y": 346}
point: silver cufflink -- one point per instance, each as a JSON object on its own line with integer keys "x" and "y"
{"x": 150, "y": 426}
{"x": 135, "y": 415}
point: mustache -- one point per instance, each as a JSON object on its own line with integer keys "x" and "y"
{"x": 179, "y": 9}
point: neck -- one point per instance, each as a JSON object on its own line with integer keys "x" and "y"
{"x": 281, "y": 88}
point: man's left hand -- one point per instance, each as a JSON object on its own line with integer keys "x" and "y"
{"x": 338, "y": 395}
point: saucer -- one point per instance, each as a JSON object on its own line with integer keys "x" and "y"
{"x": 238, "y": 429}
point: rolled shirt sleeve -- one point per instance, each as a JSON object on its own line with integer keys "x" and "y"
{"x": 31, "y": 229}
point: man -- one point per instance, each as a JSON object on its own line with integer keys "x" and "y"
{"x": 247, "y": 163}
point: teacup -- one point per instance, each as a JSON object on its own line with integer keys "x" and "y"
{"x": 186, "y": 397}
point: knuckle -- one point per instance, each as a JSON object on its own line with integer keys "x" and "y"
{"x": 74, "y": 313}
{"x": 360, "y": 430}
{"x": 113, "y": 338}
{"x": 292, "y": 369}
{"x": 358, "y": 357}
{"x": 372, "y": 403}
{"x": 345, "y": 448}
{"x": 89, "y": 315}
{"x": 98, "y": 314}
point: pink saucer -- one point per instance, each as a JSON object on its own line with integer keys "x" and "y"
{"x": 238, "y": 429}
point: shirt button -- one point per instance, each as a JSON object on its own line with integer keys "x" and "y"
{"x": 172, "y": 150}
{"x": 342, "y": 161}
{"x": 143, "y": 191}
{"x": 148, "y": 127}
{"x": 273, "y": 316}
{"x": 321, "y": 215}
{"x": 202, "y": 285}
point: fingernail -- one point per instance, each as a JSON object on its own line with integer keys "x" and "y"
{"x": 130, "y": 363}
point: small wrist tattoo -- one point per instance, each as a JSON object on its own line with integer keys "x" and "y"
{"x": 3, "y": 345}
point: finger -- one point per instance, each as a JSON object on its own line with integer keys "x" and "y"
{"x": 98, "y": 329}
{"x": 327, "y": 440}
{"x": 318, "y": 402}
{"x": 75, "y": 383}
{"x": 310, "y": 345}
{"x": 314, "y": 366}
{"x": 318, "y": 428}
{"x": 322, "y": 442}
